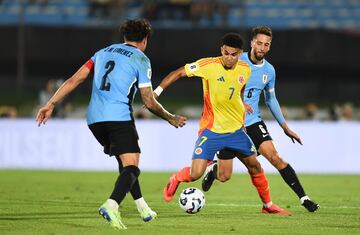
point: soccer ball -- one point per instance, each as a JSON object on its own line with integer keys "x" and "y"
{"x": 191, "y": 200}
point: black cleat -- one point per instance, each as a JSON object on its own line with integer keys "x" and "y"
{"x": 310, "y": 205}
{"x": 209, "y": 177}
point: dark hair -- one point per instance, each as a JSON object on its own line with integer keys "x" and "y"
{"x": 233, "y": 40}
{"x": 136, "y": 30}
{"x": 262, "y": 30}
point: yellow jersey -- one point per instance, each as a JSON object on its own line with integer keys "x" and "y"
{"x": 224, "y": 111}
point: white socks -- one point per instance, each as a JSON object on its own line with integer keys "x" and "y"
{"x": 141, "y": 204}
{"x": 303, "y": 199}
{"x": 267, "y": 205}
{"x": 112, "y": 204}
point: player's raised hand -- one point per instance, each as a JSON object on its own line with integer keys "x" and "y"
{"x": 178, "y": 121}
{"x": 292, "y": 135}
{"x": 248, "y": 108}
{"x": 44, "y": 113}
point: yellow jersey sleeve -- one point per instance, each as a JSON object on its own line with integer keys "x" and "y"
{"x": 198, "y": 68}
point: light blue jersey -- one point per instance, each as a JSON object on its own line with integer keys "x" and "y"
{"x": 119, "y": 70}
{"x": 262, "y": 79}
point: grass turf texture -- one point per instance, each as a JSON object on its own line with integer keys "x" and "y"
{"x": 53, "y": 202}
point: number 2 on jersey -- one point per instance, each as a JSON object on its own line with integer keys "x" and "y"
{"x": 105, "y": 85}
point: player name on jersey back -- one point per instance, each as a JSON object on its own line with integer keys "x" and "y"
{"x": 119, "y": 51}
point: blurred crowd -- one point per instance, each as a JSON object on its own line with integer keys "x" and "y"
{"x": 8, "y": 111}
{"x": 185, "y": 13}
{"x": 63, "y": 109}
{"x": 204, "y": 12}
{"x": 180, "y": 10}
{"x": 196, "y": 11}
{"x": 311, "y": 111}
{"x": 103, "y": 9}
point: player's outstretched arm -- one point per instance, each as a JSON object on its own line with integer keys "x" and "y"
{"x": 273, "y": 104}
{"x": 169, "y": 79}
{"x": 156, "y": 108}
{"x": 66, "y": 88}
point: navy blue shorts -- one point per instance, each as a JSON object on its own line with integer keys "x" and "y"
{"x": 117, "y": 137}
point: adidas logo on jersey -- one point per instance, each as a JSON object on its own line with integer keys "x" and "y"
{"x": 221, "y": 79}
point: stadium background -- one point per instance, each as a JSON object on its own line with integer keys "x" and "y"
{"x": 53, "y": 178}
{"x": 315, "y": 53}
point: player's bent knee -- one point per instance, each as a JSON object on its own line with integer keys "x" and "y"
{"x": 253, "y": 165}
{"x": 224, "y": 177}
{"x": 255, "y": 169}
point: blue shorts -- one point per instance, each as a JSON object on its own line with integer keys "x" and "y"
{"x": 210, "y": 142}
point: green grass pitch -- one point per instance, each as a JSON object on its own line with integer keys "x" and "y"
{"x": 63, "y": 202}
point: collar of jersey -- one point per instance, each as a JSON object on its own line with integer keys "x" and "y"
{"x": 256, "y": 65}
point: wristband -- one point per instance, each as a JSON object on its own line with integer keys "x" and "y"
{"x": 158, "y": 90}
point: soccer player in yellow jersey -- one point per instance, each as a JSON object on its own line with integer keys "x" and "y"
{"x": 222, "y": 121}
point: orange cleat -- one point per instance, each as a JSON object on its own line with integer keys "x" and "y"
{"x": 170, "y": 188}
{"x": 274, "y": 209}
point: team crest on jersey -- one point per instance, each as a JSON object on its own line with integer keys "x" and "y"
{"x": 149, "y": 73}
{"x": 264, "y": 78}
{"x": 198, "y": 150}
{"x": 241, "y": 79}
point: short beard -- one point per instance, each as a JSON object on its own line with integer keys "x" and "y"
{"x": 259, "y": 58}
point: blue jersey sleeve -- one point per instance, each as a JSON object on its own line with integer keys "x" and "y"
{"x": 144, "y": 69}
{"x": 272, "y": 102}
{"x": 93, "y": 58}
